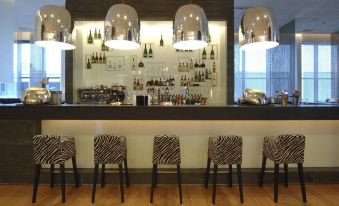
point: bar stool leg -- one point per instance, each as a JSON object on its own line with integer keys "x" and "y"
{"x": 62, "y": 175}
{"x": 121, "y": 175}
{"x": 126, "y": 172}
{"x": 207, "y": 174}
{"x": 276, "y": 181}
{"x": 154, "y": 173}
{"x": 262, "y": 172}
{"x": 240, "y": 183}
{"x": 302, "y": 181}
{"x": 52, "y": 176}
{"x": 103, "y": 176}
{"x": 179, "y": 182}
{"x": 75, "y": 172}
{"x": 96, "y": 170}
{"x": 215, "y": 176}
{"x": 230, "y": 175}
{"x": 36, "y": 181}
{"x": 156, "y": 176}
{"x": 286, "y": 174}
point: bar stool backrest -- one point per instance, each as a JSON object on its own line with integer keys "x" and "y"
{"x": 166, "y": 150}
{"x": 228, "y": 150}
{"x": 46, "y": 149}
{"x": 291, "y": 148}
{"x": 109, "y": 149}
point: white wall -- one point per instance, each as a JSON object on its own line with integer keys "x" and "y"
{"x": 322, "y": 139}
{"x": 7, "y": 21}
{"x": 150, "y": 32}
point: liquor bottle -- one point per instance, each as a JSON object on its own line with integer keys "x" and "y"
{"x": 150, "y": 51}
{"x": 202, "y": 76}
{"x": 209, "y": 74}
{"x": 135, "y": 84}
{"x": 203, "y": 64}
{"x": 187, "y": 67}
{"x": 196, "y": 76}
{"x": 95, "y": 34}
{"x": 212, "y": 54}
{"x": 104, "y": 59}
{"x": 145, "y": 52}
{"x": 141, "y": 64}
{"x": 196, "y": 64}
{"x": 203, "y": 54}
{"x": 179, "y": 67}
{"x": 206, "y": 74}
{"x": 191, "y": 64}
{"x": 161, "y": 41}
{"x": 99, "y": 35}
{"x": 93, "y": 58}
{"x": 199, "y": 77}
{"x": 214, "y": 76}
{"x": 133, "y": 65}
{"x": 103, "y": 47}
{"x": 88, "y": 64}
{"x": 100, "y": 59}
{"x": 90, "y": 37}
{"x": 96, "y": 58}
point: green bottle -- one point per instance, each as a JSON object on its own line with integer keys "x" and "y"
{"x": 90, "y": 37}
{"x": 145, "y": 52}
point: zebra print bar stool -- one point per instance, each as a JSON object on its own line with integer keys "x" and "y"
{"x": 110, "y": 149}
{"x": 53, "y": 149}
{"x": 285, "y": 149}
{"x": 224, "y": 150}
{"x": 166, "y": 151}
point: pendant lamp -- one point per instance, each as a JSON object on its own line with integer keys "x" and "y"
{"x": 258, "y": 30}
{"x": 122, "y": 28}
{"x": 53, "y": 28}
{"x": 190, "y": 28}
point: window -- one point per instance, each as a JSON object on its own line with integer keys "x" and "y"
{"x": 267, "y": 70}
{"x": 31, "y": 64}
{"x": 318, "y": 72}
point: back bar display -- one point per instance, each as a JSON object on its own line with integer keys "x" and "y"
{"x": 166, "y": 75}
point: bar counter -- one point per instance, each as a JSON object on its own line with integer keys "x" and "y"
{"x": 108, "y": 112}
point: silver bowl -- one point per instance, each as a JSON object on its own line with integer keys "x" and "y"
{"x": 255, "y": 96}
{"x": 35, "y": 96}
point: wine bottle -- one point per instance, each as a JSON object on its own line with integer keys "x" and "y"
{"x": 88, "y": 64}
{"x": 150, "y": 51}
{"x": 212, "y": 54}
{"x": 99, "y": 35}
{"x": 145, "y": 52}
{"x": 199, "y": 77}
{"x": 179, "y": 67}
{"x": 103, "y": 47}
{"x": 95, "y": 34}
{"x": 100, "y": 58}
{"x": 104, "y": 59}
{"x": 90, "y": 37}
{"x": 204, "y": 54}
{"x": 196, "y": 64}
{"x": 203, "y": 64}
{"x": 96, "y": 58}
{"x": 93, "y": 58}
{"x": 161, "y": 41}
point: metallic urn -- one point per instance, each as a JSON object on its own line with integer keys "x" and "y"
{"x": 254, "y": 96}
{"x": 35, "y": 96}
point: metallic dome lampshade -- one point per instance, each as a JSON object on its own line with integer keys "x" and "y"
{"x": 122, "y": 28}
{"x": 258, "y": 30}
{"x": 190, "y": 28}
{"x": 53, "y": 28}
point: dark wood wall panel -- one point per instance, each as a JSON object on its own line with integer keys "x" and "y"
{"x": 157, "y": 10}
{"x": 16, "y": 150}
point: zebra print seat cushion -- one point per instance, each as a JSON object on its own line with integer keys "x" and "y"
{"x": 225, "y": 150}
{"x": 166, "y": 150}
{"x": 53, "y": 149}
{"x": 109, "y": 149}
{"x": 285, "y": 149}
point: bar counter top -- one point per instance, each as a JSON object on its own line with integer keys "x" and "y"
{"x": 108, "y": 112}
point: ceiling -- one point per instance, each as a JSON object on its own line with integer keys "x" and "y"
{"x": 312, "y": 16}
